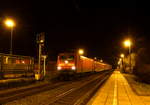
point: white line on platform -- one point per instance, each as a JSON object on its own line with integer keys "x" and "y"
{"x": 115, "y": 91}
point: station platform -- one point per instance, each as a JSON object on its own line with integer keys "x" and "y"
{"x": 117, "y": 91}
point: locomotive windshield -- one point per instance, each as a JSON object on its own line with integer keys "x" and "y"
{"x": 65, "y": 57}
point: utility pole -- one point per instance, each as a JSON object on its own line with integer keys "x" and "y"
{"x": 39, "y": 61}
{"x": 11, "y": 38}
{"x": 130, "y": 59}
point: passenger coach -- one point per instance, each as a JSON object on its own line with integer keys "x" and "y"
{"x": 16, "y": 66}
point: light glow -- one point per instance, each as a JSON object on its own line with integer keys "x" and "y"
{"x": 120, "y": 59}
{"x": 9, "y": 23}
{"x": 41, "y": 41}
{"x": 83, "y": 57}
{"x": 66, "y": 61}
{"x": 101, "y": 60}
{"x": 73, "y": 67}
{"x": 122, "y": 55}
{"x": 59, "y": 68}
{"x": 23, "y": 62}
{"x": 81, "y": 51}
{"x": 127, "y": 43}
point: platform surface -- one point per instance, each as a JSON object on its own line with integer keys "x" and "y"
{"x": 117, "y": 91}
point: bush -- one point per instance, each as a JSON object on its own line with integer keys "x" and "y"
{"x": 142, "y": 67}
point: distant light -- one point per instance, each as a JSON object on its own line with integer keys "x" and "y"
{"x": 81, "y": 51}
{"x": 120, "y": 59}
{"x": 101, "y": 60}
{"x": 41, "y": 41}
{"x": 9, "y": 23}
{"x": 122, "y": 55}
{"x": 44, "y": 56}
{"x": 23, "y": 62}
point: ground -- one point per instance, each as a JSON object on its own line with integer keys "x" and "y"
{"x": 138, "y": 87}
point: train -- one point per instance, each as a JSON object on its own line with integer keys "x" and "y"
{"x": 16, "y": 66}
{"x": 68, "y": 64}
{"x": 71, "y": 63}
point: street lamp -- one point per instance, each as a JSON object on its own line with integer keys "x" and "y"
{"x": 127, "y": 43}
{"x": 122, "y": 56}
{"x": 10, "y": 23}
{"x": 81, "y": 51}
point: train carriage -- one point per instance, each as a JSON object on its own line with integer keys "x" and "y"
{"x": 16, "y": 66}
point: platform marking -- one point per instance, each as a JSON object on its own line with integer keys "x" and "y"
{"x": 115, "y": 92}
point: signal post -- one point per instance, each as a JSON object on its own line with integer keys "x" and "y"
{"x": 40, "y": 41}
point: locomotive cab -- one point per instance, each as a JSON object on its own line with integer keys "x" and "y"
{"x": 66, "y": 63}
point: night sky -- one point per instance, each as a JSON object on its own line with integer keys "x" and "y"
{"x": 98, "y": 27}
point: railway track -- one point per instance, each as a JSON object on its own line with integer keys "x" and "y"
{"x": 58, "y": 93}
{"x": 20, "y": 93}
{"x": 13, "y": 94}
{"x": 80, "y": 95}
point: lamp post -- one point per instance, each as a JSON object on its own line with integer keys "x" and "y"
{"x": 10, "y": 23}
{"x": 95, "y": 59}
{"x": 127, "y": 43}
{"x": 81, "y": 52}
{"x": 122, "y": 56}
{"x": 119, "y": 63}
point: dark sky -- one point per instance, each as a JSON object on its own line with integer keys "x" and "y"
{"x": 97, "y": 26}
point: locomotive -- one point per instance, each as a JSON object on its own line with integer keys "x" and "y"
{"x": 73, "y": 63}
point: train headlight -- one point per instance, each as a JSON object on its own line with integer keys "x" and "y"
{"x": 66, "y": 61}
{"x": 73, "y": 68}
{"x": 58, "y": 68}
